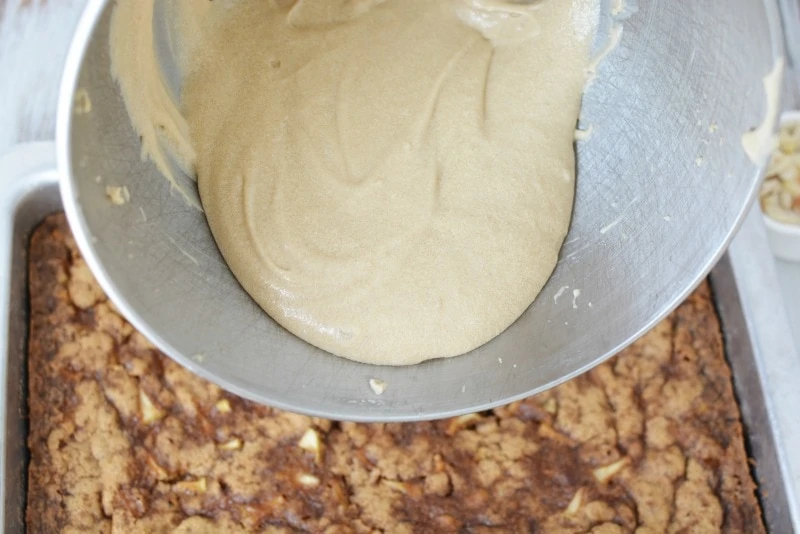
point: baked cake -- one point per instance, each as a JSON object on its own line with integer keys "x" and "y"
{"x": 124, "y": 440}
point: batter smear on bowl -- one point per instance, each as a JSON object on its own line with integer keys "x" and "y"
{"x": 390, "y": 180}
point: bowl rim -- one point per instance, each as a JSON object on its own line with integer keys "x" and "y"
{"x": 792, "y": 115}
{"x": 787, "y": 229}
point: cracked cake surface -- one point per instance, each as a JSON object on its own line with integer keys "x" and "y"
{"x": 123, "y": 439}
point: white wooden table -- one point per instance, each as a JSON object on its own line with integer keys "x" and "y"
{"x": 34, "y": 37}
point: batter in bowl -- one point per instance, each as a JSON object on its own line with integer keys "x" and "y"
{"x": 391, "y": 180}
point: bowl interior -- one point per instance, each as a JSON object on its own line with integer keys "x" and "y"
{"x": 662, "y": 183}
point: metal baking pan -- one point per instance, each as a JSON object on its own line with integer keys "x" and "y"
{"x": 29, "y": 192}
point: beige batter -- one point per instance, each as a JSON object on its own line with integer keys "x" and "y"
{"x": 391, "y": 180}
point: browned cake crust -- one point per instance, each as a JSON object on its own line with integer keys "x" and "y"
{"x": 124, "y": 440}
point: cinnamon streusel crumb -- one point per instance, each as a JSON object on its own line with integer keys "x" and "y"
{"x": 124, "y": 440}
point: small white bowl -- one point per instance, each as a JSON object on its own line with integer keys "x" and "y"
{"x": 784, "y": 239}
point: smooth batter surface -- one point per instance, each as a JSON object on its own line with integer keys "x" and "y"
{"x": 391, "y": 180}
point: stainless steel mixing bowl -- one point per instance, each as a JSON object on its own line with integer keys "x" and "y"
{"x": 662, "y": 184}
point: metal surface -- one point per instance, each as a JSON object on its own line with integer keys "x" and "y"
{"x": 764, "y": 364}
{"x": 28, "y": 192}
{"x": 774, "y": 489}
{"x": 790, "y": 14}
{"x": 662, "y": 184}
{"x": 774, "y": 365}
{"x": 789, "y": 277}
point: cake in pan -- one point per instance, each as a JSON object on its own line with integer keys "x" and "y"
{"x": 122, "y": 439}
